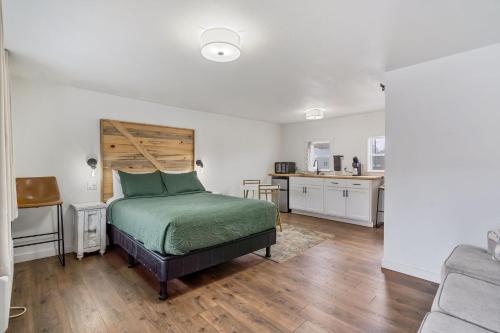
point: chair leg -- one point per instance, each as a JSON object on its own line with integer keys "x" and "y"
{"x": 60, "y": 236}
{"x": 378, "y": 202}
{"x": 279, "y": 222}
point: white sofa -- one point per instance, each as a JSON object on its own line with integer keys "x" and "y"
{"x": 468, "y": 299}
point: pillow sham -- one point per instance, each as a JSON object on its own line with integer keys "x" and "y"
{"x": 182, "y": 182}
{"x": 141, "y": 184}
{"x": 117, "y": 185}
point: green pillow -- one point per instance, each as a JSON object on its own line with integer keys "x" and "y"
{"x": 141, "y": 184}
{"x": 182, "y": 182}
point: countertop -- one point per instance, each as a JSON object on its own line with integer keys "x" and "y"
{"x": 326, "y": 176}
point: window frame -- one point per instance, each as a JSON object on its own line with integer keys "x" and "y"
{"x": 310, "y": 161}
{"x": 370, "y": 155}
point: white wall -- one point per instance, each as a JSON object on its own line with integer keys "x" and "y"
{"x": 443, "y": 159}
{"x": 349, "y": 136}
{"x": 57, "y": 127}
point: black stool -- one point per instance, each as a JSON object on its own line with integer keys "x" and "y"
{"x": 380, "y": 189}
{"x": 35, "y": 192}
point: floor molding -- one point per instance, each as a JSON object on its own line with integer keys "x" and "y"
{"x": 411, "y": 270}
{"x": 38, "y": 254}
{"x": 332, "y": 218}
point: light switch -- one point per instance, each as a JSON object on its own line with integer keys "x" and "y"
{"x": 92, "y": 186}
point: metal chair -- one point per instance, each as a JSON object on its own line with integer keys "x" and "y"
{"x": 273, "y": 192}
{"x": 380, "y": 189}
{"x": 250, "y": 185}
{"x": 35, "y": 192}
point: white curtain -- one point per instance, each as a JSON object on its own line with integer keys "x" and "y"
{"x": 8, "y": 201}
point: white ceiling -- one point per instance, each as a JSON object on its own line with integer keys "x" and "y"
{"x": 296, "y": 54}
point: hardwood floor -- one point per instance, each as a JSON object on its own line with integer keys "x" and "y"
{"x": 336, "y": 286}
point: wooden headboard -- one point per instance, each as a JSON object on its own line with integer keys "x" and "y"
{"x": 134, "y": 147}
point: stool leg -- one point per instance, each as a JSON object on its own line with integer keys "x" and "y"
{"x": 60, "y": 235}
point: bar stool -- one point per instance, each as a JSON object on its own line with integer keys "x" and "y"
{"x": 381, "y": 188}
{"x": 35, "y": 192}
{"x": 250, "y": 185}
{"x": 272, "y": 191}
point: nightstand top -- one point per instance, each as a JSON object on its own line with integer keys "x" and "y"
{"x": 88, "y": 205}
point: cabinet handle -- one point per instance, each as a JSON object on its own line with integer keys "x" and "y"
{"x": 347, "y": 193}
{"x": 356, "y": 184}
{"x": 305, "y": 187}
{"x": 335, "y": 183}
{"x": 343, "y": 193}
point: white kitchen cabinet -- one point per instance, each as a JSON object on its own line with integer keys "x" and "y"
{"x": 297, "y": 197}
{"x": 306, "y": 194}
{"x": 357, "y": 204}
{"x": 351, "y": 200}
{"x": 314, "y": 198}
{"x": 335, "y": 202}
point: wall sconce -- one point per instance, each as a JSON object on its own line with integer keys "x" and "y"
{"x": 199, "y": 166}
{"x": 92, "y": 163}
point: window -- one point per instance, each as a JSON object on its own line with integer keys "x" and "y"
{"x": 321, "y": 152}
{"x": 376, "y": 154}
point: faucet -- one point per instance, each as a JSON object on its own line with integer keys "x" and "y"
{"x": 316, "y": 164}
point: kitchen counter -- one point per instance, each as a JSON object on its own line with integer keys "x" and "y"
{"x": 325, "y": 176}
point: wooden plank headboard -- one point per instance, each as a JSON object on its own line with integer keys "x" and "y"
{"x": 134, "y": 147}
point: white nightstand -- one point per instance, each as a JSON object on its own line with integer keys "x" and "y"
{"x": 90, "y": 227}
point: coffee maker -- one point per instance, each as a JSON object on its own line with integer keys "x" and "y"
{"x": 356, "y": 166}
{"x": 337, "y": 162}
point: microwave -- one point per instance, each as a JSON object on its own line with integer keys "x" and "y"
{"x": 284, "y": 167}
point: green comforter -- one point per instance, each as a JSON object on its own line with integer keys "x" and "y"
{"x": 182, "y": 223}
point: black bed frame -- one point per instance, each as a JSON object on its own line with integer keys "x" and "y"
{"x": 173, "y": 266}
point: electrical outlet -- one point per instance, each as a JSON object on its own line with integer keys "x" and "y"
{"x": 91, "y": 186}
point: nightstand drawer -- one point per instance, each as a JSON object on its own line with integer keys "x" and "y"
{"x": 92, "y": 228}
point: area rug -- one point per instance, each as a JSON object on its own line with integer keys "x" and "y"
{"x": 293, "y": 241}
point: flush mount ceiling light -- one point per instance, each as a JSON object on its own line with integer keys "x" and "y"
{"x": 315, "y": 114}
{"x": 220, "y": 44}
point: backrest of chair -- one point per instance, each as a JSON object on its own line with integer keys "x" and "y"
{"x": 251, "y": 181}
{"x": 37, "y": 192}
{"x": 272, "y": 190}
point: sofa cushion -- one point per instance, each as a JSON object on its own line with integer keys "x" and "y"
{"x": 493, "y": 240}
{"x": 472, "y": 261}
{"x": 436, "y": 322}
{"x": 469, "y": 299}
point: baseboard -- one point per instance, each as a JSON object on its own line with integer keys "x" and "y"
{"x": 333, "y": 218}
{"x": 39, "y": 254}
{"x": 411, "y": 270}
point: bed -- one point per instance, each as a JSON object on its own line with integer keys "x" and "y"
{"x": 175, "y": 235}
